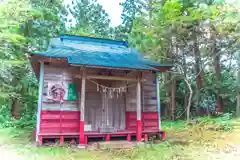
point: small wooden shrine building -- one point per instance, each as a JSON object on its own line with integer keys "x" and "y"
{"x": 92, "y": 87}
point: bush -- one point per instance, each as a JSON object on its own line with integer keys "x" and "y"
{"x": 28, "y": 118}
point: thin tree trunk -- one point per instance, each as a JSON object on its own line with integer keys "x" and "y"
{"x": 189, "y": 100}
{"x": 185, "y": 84}
{"x": 173, "y": 99}
{"x": 173, "y": 52}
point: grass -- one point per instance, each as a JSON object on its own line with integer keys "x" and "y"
{"x": 183, "y": 142}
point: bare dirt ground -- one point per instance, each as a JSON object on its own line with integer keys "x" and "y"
{"x": 8, "y": 154}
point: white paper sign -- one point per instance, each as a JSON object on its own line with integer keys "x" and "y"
{"x": 87, "y": 127}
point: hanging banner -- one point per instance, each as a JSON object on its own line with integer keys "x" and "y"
{"x": 71, "y": 92}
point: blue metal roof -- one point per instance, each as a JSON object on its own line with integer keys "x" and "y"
{"x": 98, "y": 52}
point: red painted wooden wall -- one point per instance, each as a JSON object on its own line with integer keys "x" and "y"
{"x": 68, "y": 121}
{"x": 149, "y": 121}
{"x": 59, "y": 121}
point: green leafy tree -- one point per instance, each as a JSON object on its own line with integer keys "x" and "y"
{"x": 178, "y": 33}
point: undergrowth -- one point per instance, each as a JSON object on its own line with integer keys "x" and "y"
{"x": 28, "y": 117}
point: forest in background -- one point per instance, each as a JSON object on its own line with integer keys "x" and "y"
{"x": 201, "y": 38}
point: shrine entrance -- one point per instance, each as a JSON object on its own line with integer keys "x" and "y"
{"x": 112, "y": 105}
{"x": 113, "y": 113}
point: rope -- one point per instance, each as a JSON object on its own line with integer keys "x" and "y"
{"x": 116, "y": 88}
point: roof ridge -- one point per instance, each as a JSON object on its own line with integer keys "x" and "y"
{"x": 93, "y": 39}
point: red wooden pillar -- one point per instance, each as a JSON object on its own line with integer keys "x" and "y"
{"x": 82, "y": 110}
{"x": 108, "y": 137}
{"x": 61, "y": 140}
{"x": 145, "y": 137}
{"x": 129, "y": 137}
{"x": 139, "y": 121}
{"x": 86, "y": 139}
{"x": 164, "y": 135}
{"x": 39, "y": 140}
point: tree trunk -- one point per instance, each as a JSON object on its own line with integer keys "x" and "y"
{"x": 15, "y": 109}
{"x": 217, "y": 72}
{"x": 216, "y": 62}
{"x": 150, "y": 10}
{"x": 238, "y": 104}
{"x": 167, "y": 77}
{"x": 198, "y": 68}
{"x": 238, "y": 91}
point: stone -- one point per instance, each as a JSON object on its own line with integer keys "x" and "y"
{"x": 80, "y": 146}
{"x": 115, "y": 145}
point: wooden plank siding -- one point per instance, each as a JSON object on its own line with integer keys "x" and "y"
{"x": 59, "y": 117}
{"x": 118, "y": 112}
{"x": 118, "y": 109}
{"x": 149, "y": 94}
{"x": 93, "y": 106}
{"x": 53, "y": 75}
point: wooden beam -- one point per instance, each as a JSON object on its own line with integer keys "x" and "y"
{"x": 111, "y": 78}
{"x": 82, "y": 108}
{"x": 40, "y": 92}
{"x": 105, "y": 77}
{"x": 113, "y": 68}
{"x": 139, "y": 121}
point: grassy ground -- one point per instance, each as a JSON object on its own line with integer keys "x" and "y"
{"x": 183, "y": 143}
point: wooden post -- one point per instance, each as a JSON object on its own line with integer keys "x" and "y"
{"x": 82, "y": 110}
{"x": 129, "y": 137}
{"x": 61, "y": 140}
{"x": 146, "y": 137}
{"x": 108, "y": 137}
{"x": 39, "y": 106}
{"x": 158, "y": 101}
{"x": 139, "y": 121}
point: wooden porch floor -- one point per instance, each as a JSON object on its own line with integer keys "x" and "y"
{"x": 124, "y": 133}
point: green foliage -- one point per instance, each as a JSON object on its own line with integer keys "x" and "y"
{"x": 91, "y": 18}
{"x": 173, "y": 33}
{"x": 130, "y": 9}
{"x": 47, "y": 21}
{"x": 27, "y": 26}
